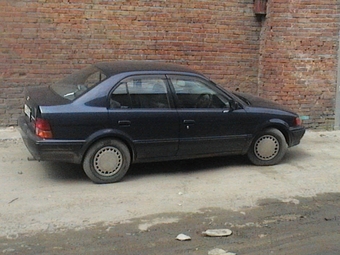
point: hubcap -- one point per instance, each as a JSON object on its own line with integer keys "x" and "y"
{"x": 107, "y": 161}
{"x": 266, "y": 147}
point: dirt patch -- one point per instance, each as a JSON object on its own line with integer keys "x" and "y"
{"x": 53, "y": 208}
{"x": 300, "y": 226}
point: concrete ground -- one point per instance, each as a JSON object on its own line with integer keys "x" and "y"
{"x": 290, "y": 208}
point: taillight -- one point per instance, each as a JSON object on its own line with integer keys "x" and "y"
{"x": 297, "y": 121}
{"x": 43, "y": 128}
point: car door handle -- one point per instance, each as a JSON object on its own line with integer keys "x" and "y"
{"x": 188, "y": 122}
{"x": 124, "y": 122}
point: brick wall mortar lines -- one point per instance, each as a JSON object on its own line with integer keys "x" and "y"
{"x": 298, "y": 62}
{"x": 41, "y": 41}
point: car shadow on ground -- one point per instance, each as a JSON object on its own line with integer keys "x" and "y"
{"x": 61, "y": 171}
{"x": 184, "y": 166}
{"x": 295, "y": 154}
{"x": 206, "y": 164}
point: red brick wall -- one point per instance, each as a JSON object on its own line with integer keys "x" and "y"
{"x": 298, "y": 63}
{"x": 42, "y": 40}
{"x": 291, "y": 59}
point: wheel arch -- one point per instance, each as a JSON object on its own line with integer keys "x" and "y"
{"x": 278, "y": 124}
{"x": 108, "y": 134}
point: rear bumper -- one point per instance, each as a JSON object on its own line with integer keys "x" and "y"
{"x": 296, "y": 135}
{"x": 49, "y": 149}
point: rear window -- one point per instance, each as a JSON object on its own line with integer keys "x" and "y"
{"x": 78, "y": 83}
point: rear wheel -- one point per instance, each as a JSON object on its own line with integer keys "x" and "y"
{"x": 268, "y": 148}
{"x": 107, "y": 161}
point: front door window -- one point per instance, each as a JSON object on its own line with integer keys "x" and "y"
{"x": 195, "y": 93}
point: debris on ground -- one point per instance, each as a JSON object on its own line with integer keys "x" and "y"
{"x": 183, "y": 237}
{"x": 218, "y": 251}
{"x": 217, "y": 232}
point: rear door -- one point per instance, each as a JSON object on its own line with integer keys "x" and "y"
{"x": 141, "y": 109}
{"x": 207, "y": 124}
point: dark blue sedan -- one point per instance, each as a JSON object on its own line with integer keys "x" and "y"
{"x": 110, "y": 115}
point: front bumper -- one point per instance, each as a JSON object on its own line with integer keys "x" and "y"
{"x": 49, "y": 149}
{"x": 296, "y": 135}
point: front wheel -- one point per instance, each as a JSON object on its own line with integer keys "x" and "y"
{"x": 268, "y": 148}
{"x": 107, "y": 161}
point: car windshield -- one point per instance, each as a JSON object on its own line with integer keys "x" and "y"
{"x": 76, "y": 84}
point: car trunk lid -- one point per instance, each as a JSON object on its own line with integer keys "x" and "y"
{"x": 44, "y": 96}
{"x": 35, "y": 98}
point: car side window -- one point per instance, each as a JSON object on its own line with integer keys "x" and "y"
{"x": 194, "y": 93}
{"x": 140, "y": 92}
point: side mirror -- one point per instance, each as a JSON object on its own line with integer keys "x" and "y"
{"x": 233, "y": 105}
{"x": 230, "y": 106}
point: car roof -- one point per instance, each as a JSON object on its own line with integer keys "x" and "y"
{"x": 124, "y": 66}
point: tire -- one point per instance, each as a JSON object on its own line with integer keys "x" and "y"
{"x": 107, "y": 161}
{"x": 268, "y": 148}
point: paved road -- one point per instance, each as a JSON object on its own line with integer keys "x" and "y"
{"x": 49, "y": 203}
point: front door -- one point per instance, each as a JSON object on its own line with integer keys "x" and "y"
{"x": 207, "y": 123}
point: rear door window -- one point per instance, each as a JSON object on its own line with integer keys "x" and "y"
{"x": 141, "y": 92}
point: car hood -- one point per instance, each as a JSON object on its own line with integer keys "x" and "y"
{"x": 255, "y": 101}
{"x": 44, "y": 96}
